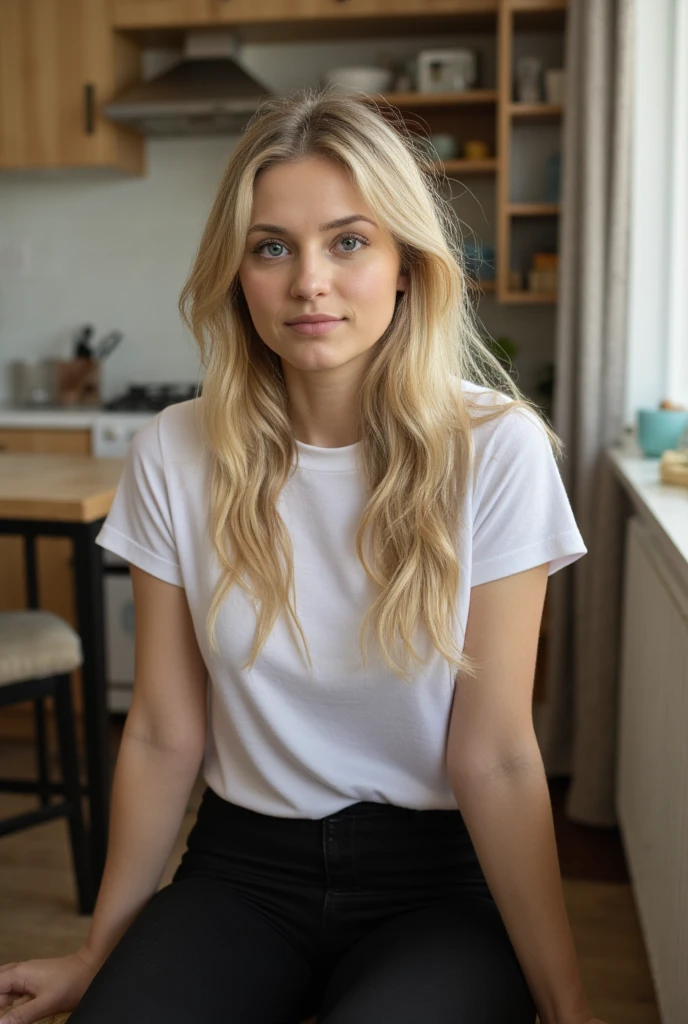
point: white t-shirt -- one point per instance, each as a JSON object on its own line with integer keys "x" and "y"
{"x": 283, "y": 741}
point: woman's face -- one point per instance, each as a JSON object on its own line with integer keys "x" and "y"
{"x": 298, "y": 261}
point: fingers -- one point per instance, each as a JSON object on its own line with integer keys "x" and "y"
{"x": 13, "y": 988}
{"x": 26, "y": 1013}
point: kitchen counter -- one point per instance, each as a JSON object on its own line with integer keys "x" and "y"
{"x": 663, "y": 506}
{"x": 57, "y": 418}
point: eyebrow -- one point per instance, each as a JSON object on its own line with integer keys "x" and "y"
{"x": 323, "y": 227}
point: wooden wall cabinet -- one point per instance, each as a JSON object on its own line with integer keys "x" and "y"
{"x": 60, "y": 62}
{"x": 54, "y": 558}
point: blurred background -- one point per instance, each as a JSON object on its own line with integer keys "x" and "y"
{"x": 560, "y": 130}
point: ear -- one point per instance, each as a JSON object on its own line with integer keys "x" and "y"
{"x": 402, "y": 282}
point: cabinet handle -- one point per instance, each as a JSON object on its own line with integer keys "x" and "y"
{"x": 89, "y": 104}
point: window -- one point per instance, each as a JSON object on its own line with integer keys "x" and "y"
{"x": 677, "y": 325}
{"x": 657, "y": 366}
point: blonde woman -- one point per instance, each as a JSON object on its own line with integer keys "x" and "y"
{"x": 339, "y": 556}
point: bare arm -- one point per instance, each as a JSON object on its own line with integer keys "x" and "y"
{"x": 158, "y": 761}
{"x": 497, "y": 775}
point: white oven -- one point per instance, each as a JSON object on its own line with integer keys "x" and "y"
{"x": 111, "y": 436}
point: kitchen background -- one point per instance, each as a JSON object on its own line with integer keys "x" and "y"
{"x": 96, "y": 247}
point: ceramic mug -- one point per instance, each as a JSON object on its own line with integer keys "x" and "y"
{"x": 660, "y": 429}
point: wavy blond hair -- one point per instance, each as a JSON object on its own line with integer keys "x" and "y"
{"x": 415, "y": 421}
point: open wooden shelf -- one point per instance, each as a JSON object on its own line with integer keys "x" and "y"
{"x": 533, "y": 209}
{"x": 535, "y": 113}
{"x": 487, "y": 166}
{"x": 438, "y": 99}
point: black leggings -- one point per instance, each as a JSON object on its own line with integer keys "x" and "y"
{"x": 374, "y": 915}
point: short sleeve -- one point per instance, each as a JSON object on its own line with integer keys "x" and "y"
{"x": 138, "y": 526}
{"x": 522, "y": 516}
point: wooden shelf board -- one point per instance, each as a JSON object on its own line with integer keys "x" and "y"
{"x": 535, "y": 110}
{"x": 537, "y": 6}
{"x": 438, "y": 99}
{"x": 488, "y": 166}
{"x": 533, "y": 209}
{"x": 528, "y": 298}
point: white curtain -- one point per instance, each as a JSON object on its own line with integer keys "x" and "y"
{"x": 576, "y": 724}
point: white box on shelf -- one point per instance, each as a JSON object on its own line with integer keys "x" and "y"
{"x": 446, "y": 70}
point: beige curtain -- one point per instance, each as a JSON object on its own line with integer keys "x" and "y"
{"x": 576, "y": 724}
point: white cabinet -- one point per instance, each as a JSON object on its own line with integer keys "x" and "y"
{"x": 652, "y": 777}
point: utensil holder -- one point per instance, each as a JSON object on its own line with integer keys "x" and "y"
{"x": 78, "y": 382}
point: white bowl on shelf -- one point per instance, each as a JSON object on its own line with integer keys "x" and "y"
{"x": 358, "y": 79}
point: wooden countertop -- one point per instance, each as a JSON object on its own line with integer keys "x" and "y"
{"x": 62, "y": 488}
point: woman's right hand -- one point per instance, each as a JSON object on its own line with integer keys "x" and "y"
{"x": 53, "y": 986}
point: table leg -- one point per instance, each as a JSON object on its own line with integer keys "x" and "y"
{"x": 88, "y": 574}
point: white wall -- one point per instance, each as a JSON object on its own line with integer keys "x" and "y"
{"x": 100, "y": 248}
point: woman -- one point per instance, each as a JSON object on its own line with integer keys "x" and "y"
{"x": 375, "y": 841}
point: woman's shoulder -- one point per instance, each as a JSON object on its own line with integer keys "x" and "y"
{"x": 173, "y": 435}
{"x": 499, "y": 428}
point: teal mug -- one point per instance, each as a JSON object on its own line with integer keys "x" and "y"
{"x": 660, "y": 429}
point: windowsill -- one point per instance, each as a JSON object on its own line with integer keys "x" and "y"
{"x": 663, "y": 506}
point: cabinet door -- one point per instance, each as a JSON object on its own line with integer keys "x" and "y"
{"x": 59, "y": 62}
{"x": 54, "y": 568}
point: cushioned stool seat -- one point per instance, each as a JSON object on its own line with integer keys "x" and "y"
{"x": 38, "y": 653}
{"x": 34, "y": 644}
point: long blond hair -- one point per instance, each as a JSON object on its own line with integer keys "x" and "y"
{"x": 415, "y": 422}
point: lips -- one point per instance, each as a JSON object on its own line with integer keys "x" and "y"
{"x": 310, "y": 328}
{"x": 313, "y": 318}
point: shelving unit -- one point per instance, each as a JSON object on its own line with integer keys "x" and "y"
{"x": 514, "y": 16}
{"x": 492, "y": 115}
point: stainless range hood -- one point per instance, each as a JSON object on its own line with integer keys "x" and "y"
{"x": 208, "y": 93}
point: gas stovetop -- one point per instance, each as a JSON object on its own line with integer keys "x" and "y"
{"x": 151, "y": 397}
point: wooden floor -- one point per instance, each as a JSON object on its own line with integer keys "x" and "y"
{"x": 39, "y": 917}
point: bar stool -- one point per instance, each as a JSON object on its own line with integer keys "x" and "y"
{"x": 38, "y": 650}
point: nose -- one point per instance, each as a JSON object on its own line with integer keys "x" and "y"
{"x": 312, "y": 275}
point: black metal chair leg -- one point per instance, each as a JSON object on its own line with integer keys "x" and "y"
{"x": 41, "y": 752}
{"x": 69, "y": 764}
